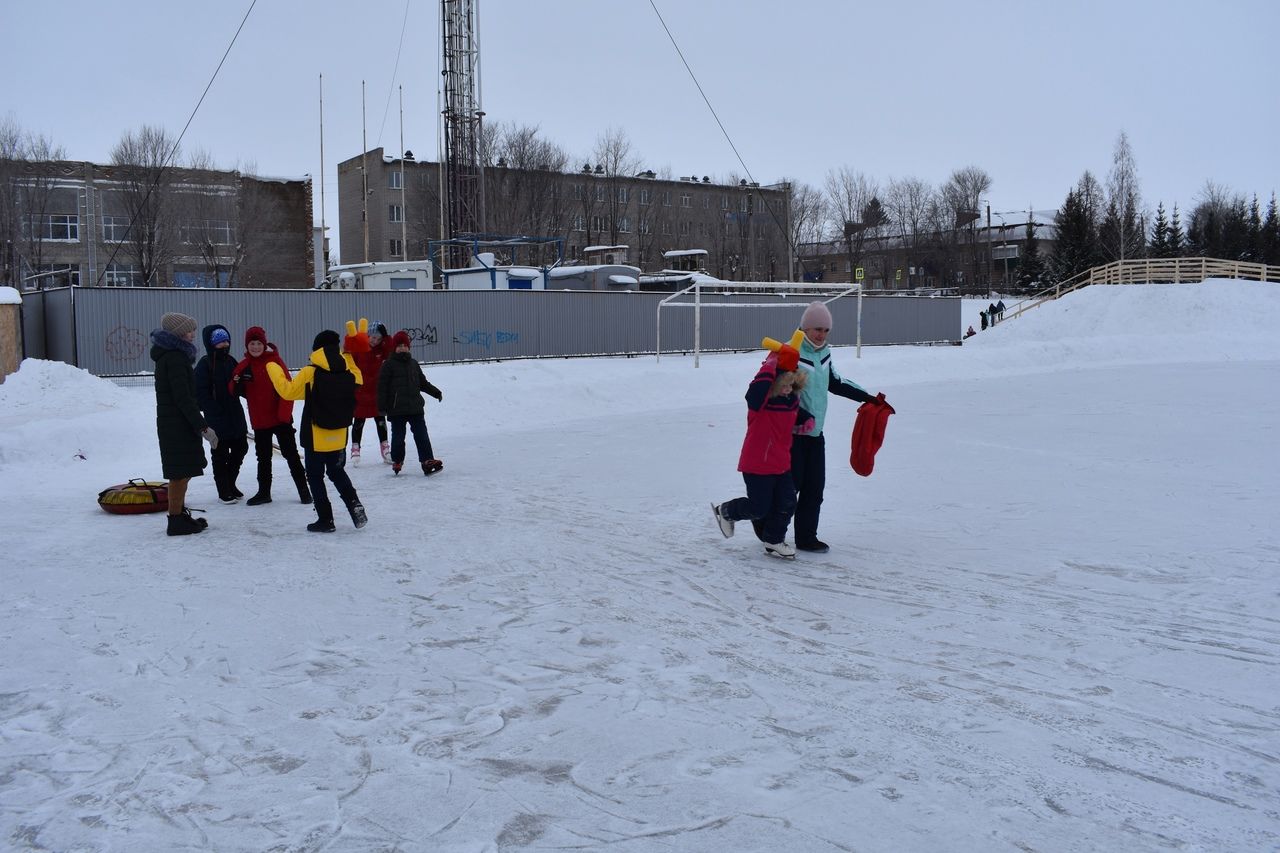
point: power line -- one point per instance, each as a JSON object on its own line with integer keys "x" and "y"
{"x": 781, "y": 228}
{"x": 395, "y": 71}
{"x": 164, "y": 164}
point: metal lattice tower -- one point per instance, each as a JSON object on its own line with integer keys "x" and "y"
{"x": 464, "y": 172}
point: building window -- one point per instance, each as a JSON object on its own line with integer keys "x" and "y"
{"x": 215, "y": 232}
{"x": 577, "y": 192}
{"x": 684, "y": 229}
{"x": 666, "y": 228}
{"x": 599, "y": 193}
{"x": 724, "y": 202}
{"x": 599, "y": 224}
{"x": 706, "y": 202}
{"x": 686, "y": 200}
{"x": 644, "y": 196}
{"x": 395, "y": 180}
{"x": 53, "y": 226}
{"x": 64, "y": 274}
{"x": 624, "y": 195}
{"x": 645, "y": 227}
{"x": 395, "y": 213}
{"x": 115, "y": 229}
{"x": 397, "y": 248}
{"x": 578, "y": 224}
{"x": 666, "y": 198}
{"x": 121, "y": 275}
{"x": 624, "y": 224}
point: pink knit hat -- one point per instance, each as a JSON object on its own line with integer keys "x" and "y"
{"x": 816, "y": 316}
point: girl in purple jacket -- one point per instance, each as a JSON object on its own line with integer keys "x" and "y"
{"x": 773, "y": 416}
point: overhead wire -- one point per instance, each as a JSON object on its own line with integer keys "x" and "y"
{"x": 781, "y": 227}
{"x": 168, "y": 158}
{"x": 404, "y": 23}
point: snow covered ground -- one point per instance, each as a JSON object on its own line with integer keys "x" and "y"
{"x": 1048, "y": 621}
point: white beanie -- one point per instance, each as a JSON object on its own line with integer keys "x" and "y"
{"x": 817, "y": 315}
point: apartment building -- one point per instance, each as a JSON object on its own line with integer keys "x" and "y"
{"x": 87, "y": 224}
{"x": 742, "y": 226}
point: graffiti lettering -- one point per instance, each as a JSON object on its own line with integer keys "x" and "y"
{"x": 125, "y": 344}
{"x": 425, "y": 335}
{"x": 508, "y": 337}
{"x": 485, "y": 338}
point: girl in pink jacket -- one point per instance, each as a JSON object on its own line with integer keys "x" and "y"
{"x": 773, "y": 416}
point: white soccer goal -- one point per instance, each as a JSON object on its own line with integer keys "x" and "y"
{"x": 691, "y": 297}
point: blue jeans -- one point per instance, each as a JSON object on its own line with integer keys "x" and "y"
{"x": 771, "y": 498}
{"x": 417, "y": 423}
{"x": 332, "y": 463}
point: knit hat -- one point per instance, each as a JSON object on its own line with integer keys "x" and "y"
{"x": 220, "y": 336}
{"x": 255, "y": 333}
{"x": 327, "y": 338}
{"x": 377, "y": 329}
{"x": 177, "y": 324}
{"x": 401, "y": 339}
{"x": 816, "y": 316}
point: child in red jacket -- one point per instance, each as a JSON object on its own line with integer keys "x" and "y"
{"x": 773, "y": 416}
{"x": 270, "y": 415}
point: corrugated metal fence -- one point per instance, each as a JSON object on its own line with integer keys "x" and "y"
{"x": 107, "y": 330}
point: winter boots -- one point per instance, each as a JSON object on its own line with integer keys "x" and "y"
{"x": 262, "y": 497}
{"x": 358, "y": 517}
{"x": 322, "y": 525}
{"x": 183, "y": 524}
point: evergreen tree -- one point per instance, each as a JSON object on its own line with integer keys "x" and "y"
{"x": 1177, "y": 240}
{"x": 1253, "y": 233}
{"x": 1270, "y": 238}
{"x": 1076, "y": 248}
{"x": 1032, "y": 265}
{"x": 1159, "y": 245}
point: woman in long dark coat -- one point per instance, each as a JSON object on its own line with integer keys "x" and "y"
{"x": 179, "y": 424}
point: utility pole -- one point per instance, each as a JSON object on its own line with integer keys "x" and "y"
{"x": 404, "y": 211}
{"x": 364, "y": 175}
{"x": 990, "y": 283}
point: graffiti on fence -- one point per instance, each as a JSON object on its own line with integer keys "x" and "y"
{"x": 425, "y": 335}
{"x": 485, "y": 338}
{"x": 125, "y": 344}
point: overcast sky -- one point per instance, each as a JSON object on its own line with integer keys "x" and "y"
{"x": 1034, "y": 93}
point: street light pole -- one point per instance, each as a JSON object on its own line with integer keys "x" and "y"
{"x": 990, "y": 283}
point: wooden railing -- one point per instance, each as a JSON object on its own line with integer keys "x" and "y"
{"x": 1149, "y": 271}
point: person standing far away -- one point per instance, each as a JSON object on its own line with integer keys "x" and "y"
{"x": 400, "y": 388}
{"x": 222, "y": 411}
{"x": 328, "y": 386}
{"x": 179, "y": 424}
{"x": 370, "y": 364}
{"x": 808, "y": 452}
{"x": 270, "y": 415}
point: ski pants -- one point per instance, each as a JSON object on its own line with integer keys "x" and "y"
{"x": 284, "y": 437}
{"x": 809, "y": 471}
{"x": 418, "y": 424}
{"x": 227, "y": 458}
{"x": 333, "y": 464}
{"x": 770, "y": 500}
{"x": 357, "y": 428}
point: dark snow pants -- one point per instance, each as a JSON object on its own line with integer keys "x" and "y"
{"x": 333, "y": 464}
{"x": 809, "y": 471}
{"x": 421, "y": 438}
{"x": 770, "y": 500}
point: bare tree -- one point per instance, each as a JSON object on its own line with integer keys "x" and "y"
{"x": 808, "y": 218}
{"x": 1121, "y": 234}
{"x": 27, "y": 191}
{"x": 142, "y": 159}
{"x": 908, "y": 202}
{"x": 849, "y": 195}
{"x": 613, "y": 152}
{"x": 963, "y": 194}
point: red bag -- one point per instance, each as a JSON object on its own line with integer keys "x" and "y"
{"x": 868, "y": 434}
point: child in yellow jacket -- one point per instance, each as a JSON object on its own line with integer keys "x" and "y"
{"x": 326, "y": 386}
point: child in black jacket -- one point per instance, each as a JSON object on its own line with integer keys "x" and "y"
{"x": 400, "y": 386}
